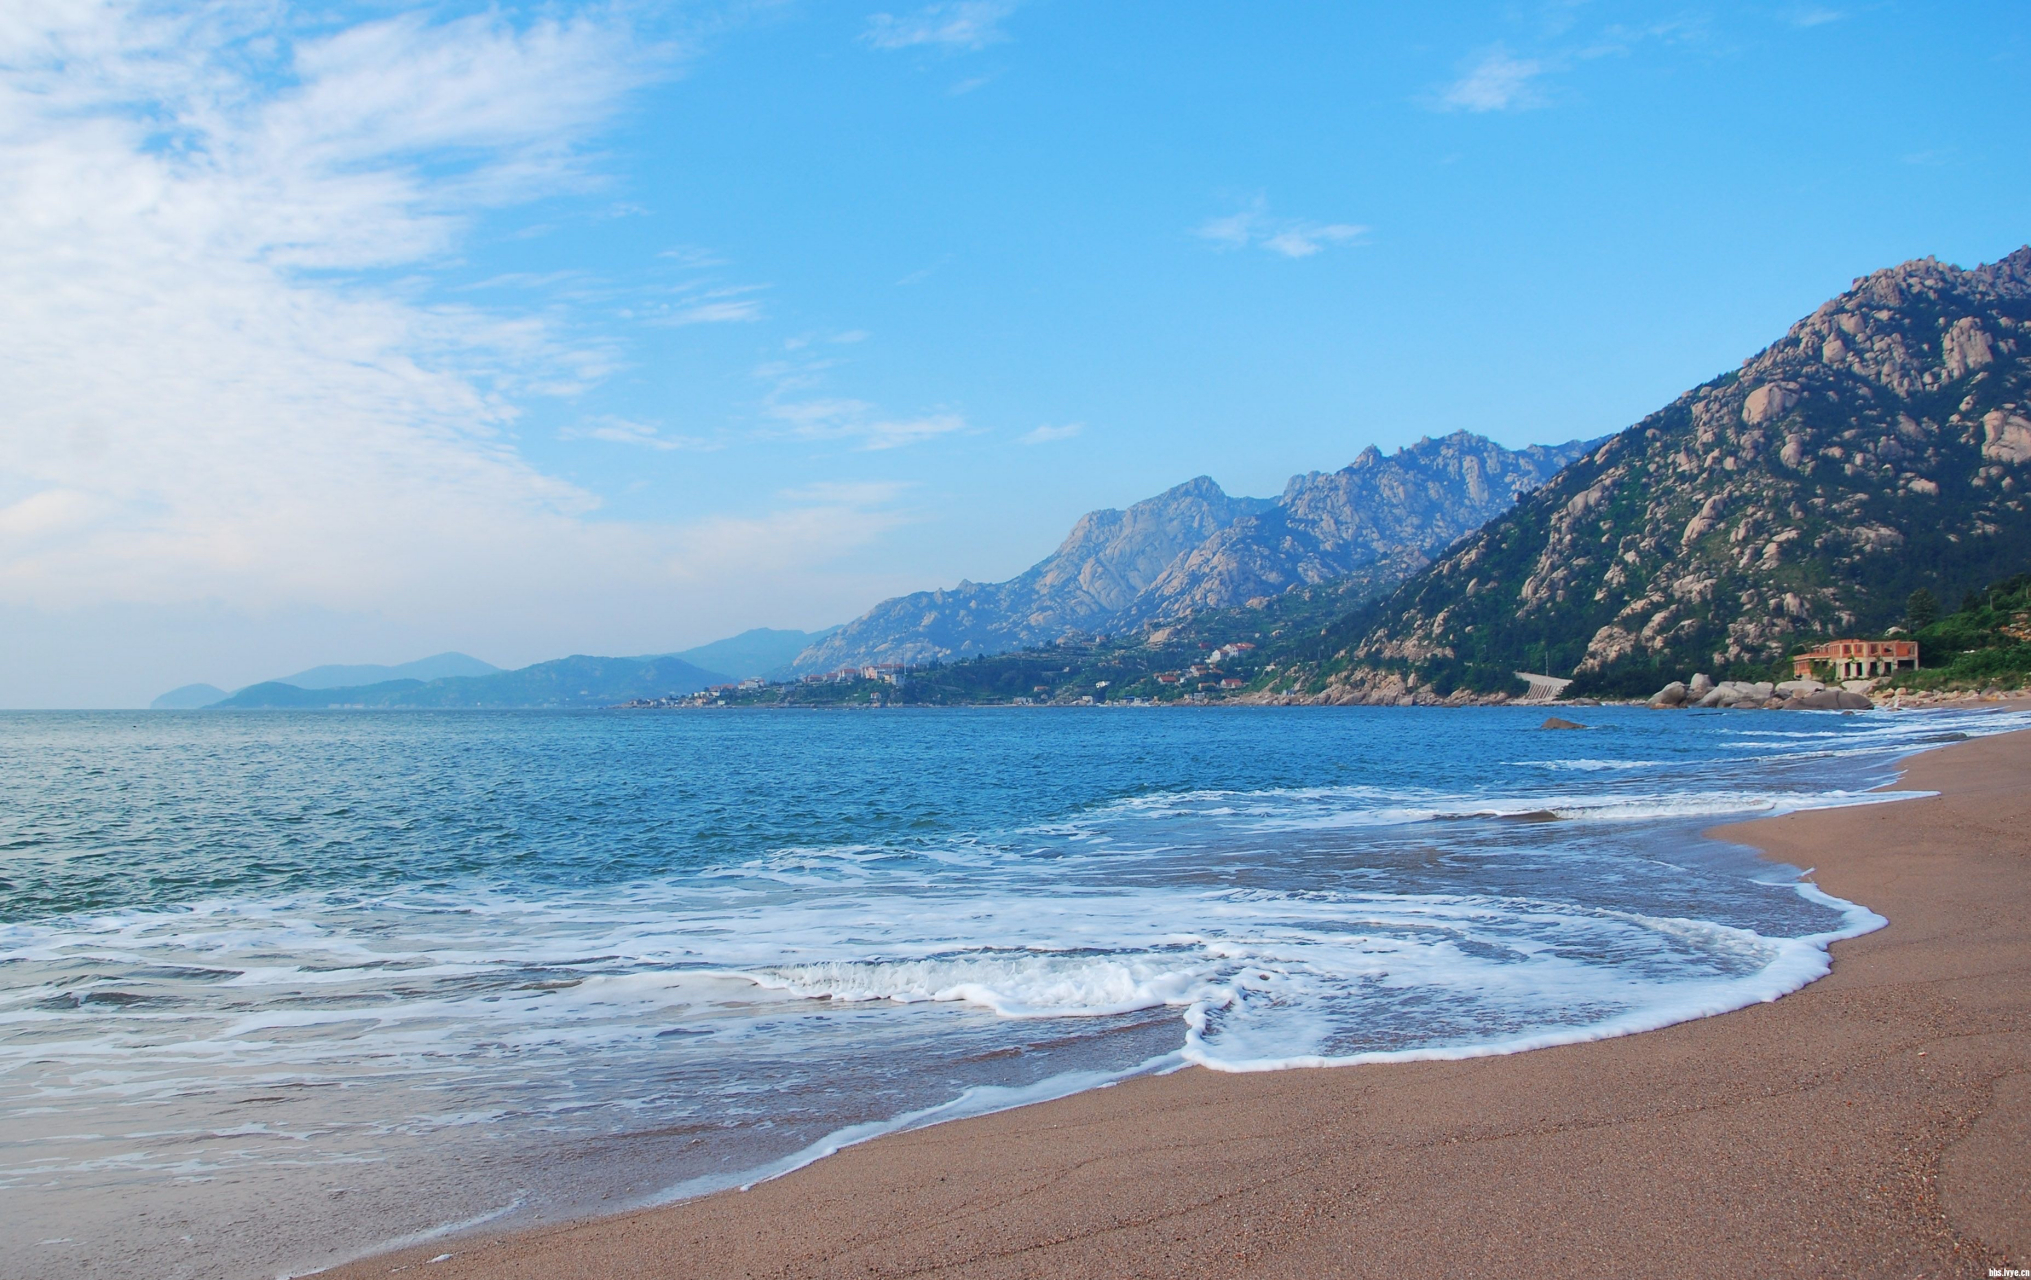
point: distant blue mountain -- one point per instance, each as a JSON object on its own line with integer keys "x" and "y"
{"x": 578, "y": 681}
{"x": 760, "y": 652}
{"x": 189, "y": 698}
{"x": 437, "y": 667}
{"x": 273, "y": 694}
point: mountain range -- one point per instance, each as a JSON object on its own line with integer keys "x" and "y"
{"x": 1879, "y": 447}
{"x": 1194, "y": 548}
{"x": 578, "y": 681}
{"x": 762, "y": 651}
{"x": 436, "y": 667}
{"x": 456, "y": 679}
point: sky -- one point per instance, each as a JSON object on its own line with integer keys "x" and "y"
{"x": 355, "y": 332}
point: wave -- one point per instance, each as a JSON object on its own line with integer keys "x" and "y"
{"x": 1011, "y": 984}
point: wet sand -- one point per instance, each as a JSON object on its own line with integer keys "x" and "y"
{"x": 1877, "y": 1123}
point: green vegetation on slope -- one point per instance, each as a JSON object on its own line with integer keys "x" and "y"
{"x": 1986, "y": 641}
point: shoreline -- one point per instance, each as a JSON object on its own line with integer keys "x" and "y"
{"x": 1874, "y": 1122}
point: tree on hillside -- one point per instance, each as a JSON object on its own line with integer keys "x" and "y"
{"x": 1921, "y": 610}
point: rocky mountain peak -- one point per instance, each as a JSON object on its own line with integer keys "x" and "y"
{"x": 1875, "y": 448}
{"x": 1195, "y": 547}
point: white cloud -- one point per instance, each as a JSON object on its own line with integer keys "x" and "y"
{"x": 1046, "y": 434}
{"x": 797, "y": 408}
{"x": 1304, "y": 239}
{"x": 721, "y": 311}
{"x": 959, "y": 24}
{"x": 693, "y": 257}
{"x": 625, "y": 431}
{"x": 1814, "y": 16}
{"x": 1496, "y": 82}
{"x": 1235, "y": 230}
{"x": 836, "y": 418}
{"x": 212, "y": 397}
{"x": 893, "y": 433}
{"x": 1289, "y": 237}
{"x": 797, "y": 342}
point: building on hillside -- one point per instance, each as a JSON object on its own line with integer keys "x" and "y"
{"x": 1859, "y": 659}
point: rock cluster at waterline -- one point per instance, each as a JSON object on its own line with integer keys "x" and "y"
{"x": 1790, "y": 695}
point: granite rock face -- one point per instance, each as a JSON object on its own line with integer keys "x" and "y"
{"x": 1882, "y": 445}
{"x": 1195, "y": 548}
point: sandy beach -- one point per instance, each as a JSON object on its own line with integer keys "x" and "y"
{"x": 1877, "y": 1123}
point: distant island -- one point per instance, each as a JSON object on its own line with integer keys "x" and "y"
{"x": 457, "y": 680}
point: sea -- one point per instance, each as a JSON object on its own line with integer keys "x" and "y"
{"x": 279, "y": 989}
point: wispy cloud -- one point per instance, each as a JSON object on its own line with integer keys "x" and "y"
{"x": 859, "y": 422}
{"x": 692, "y": 257}
{"x": 844, "y": 338}
{"x": 1496, "y": 81}
{"x": 230, "y": 374}
{"x": 1254, "y": 226}
{"x": 714, "y": 311}
{"x": 798, "y": 404}
{"x": 615, "y": 430}
{"x": 956, "y": 25}
{"x": 924, "y": 273}
{"x": 1304, "y": 239}
{"x": 1813, "y": 16}
{"x": 1046, "y": 434}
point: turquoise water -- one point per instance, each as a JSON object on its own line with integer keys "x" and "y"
{"x": 694, "y": 948}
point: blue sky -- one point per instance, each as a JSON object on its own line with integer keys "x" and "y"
{"x": 352, "y": 333}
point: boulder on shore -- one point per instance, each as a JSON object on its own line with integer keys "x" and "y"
{"x": 1829, "y": 700}
{"x": 1671, "y": 695}
{"x": 1703, "y": 691}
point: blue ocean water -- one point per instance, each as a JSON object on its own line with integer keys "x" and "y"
{"x": 487, "y": 963}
